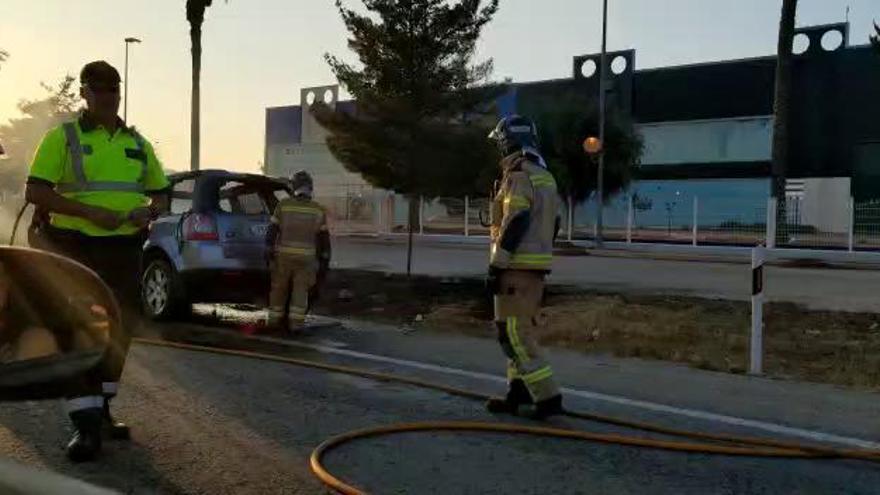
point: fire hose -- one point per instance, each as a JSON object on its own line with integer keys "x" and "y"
{"x": 704, "y": 443}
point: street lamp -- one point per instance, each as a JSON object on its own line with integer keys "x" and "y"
{"x": 128, "y": 41}
{"x": 593, "y": 146}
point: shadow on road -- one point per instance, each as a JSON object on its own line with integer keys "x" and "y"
{"x": 43, "y": 429}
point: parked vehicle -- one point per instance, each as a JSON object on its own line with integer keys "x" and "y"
{"x": 210, "y": 247}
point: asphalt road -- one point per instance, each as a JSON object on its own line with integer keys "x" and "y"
{"x": 215, "y": 424}
{"x": 815, "y": 288}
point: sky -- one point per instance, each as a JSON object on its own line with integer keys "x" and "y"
{"x": 260, "y": 53}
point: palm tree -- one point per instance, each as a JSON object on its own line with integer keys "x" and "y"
{"x": 782, "y": 105}
{"x": 195, "y": 15}
{"x": 3, "y": 55}
{"x": 875, "y": 39}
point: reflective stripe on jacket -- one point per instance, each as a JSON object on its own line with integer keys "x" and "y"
{"x": 299, "y": 221}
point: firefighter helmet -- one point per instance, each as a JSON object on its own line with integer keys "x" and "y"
{"x": 515, "y": 132}
{"x": 302, "y": 184}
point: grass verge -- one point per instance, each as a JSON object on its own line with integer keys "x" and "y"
{"x": 819, "y": 346}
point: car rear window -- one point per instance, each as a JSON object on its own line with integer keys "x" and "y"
{"x": 182, "y": 197}
{"x": 250, "y": 197}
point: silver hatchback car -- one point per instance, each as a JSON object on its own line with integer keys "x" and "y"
{"x": 210, "y": 247}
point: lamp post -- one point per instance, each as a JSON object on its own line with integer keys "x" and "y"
{"x": 128, "y": 41}
{"x": 594, "y": 148}
{"x": 600, "y": 181}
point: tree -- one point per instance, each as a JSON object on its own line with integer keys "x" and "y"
{"x": 417, "y": 129}
{"x": 20, "y": 136}
{"x": 4, "y": 55}
{"x": 195, "y": 15}
{"x": 875, "y": 38}
{"x": 782, "y": 106}
{"x": 562, "y": 131}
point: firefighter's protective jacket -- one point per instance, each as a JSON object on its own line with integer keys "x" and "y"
{"x": 524, "y": 215}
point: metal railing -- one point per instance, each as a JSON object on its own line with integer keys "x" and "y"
{"x": 693, "y": 221}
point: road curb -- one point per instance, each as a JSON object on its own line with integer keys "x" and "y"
{"x": 791, "y": 258}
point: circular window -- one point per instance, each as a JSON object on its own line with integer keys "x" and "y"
{"x": 801, "y": 44}
{"x": 588, "y": 68}
{"x": 618, "y": 65}
{"x": 328, "y": 96}
{"x": 832, "y": 40}
{"x": 310, "y": 98}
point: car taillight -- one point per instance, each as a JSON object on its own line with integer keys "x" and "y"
{"x": 201, "y": 227}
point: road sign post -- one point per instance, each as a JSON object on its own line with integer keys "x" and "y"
{"x": 757, "y": 336}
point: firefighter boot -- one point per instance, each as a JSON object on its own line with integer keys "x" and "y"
{"x": 117, "y": 430}
{"x": 543, "y": 409}
{"x": 85, "y": 445}
{"x": 517, "y": 395}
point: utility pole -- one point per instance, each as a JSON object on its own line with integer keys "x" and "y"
{"x": 128, "y": 41}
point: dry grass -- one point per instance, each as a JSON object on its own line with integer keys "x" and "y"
{"x": 831, "y": 347}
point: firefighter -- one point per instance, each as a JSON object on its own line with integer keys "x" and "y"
{"x": 524, "y": 227}
{"x": 97, "y": 184}
{"x": 299, "y": 246}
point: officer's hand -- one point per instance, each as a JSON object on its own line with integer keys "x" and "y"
{"x": 140, "y": 217}
{"x": 104, "y": 218}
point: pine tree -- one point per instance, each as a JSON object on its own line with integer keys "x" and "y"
{"x": 418, "y": 129}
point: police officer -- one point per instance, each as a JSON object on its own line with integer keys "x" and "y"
{"x": 299, "y": 247}
{"x": 100, "y": 183}
{"x": 524, "y": 226}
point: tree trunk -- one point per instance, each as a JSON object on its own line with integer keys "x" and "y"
{"x": 195, "y": 34}
{"x": 782, "y": 110}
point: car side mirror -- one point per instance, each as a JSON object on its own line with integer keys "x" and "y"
{"x": 57, "y": 321}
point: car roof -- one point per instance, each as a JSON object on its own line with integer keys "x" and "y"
{"x": 223, "y": 174}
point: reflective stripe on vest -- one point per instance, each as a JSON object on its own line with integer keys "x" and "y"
{"x": 296, "y": 250}
{"x": 301, "y": 209}
{"x": 82, "y": 184}
{"x": 534, "y": 260}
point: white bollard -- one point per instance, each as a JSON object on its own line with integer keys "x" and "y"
{"x": 570, "y": 217}
{"x": 771, "y": 223}
{"x": 421, "y": 215}
{"x": 694, "y": 233}
{"x": 851, "y": 231}
{"x": 629, "y": 220}
{"x": 757, "y": 336}
{"x": 467, "y": 215}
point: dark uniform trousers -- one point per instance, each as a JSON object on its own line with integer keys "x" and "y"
{"x": 117, "y": 260}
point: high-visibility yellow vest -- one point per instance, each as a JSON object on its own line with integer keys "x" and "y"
{"x": 96, "y": 168}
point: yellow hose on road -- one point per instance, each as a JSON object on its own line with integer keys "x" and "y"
{"x": 741, "y": 445}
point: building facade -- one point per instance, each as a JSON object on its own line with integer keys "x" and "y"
{"x": 707, "y": 130}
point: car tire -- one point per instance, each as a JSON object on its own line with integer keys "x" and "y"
{"x": 162, "y": 295}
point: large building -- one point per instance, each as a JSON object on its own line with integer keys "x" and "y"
{"x": 707, "y": 128}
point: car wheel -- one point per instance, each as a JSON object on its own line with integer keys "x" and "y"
{"x": 160, "y": 291}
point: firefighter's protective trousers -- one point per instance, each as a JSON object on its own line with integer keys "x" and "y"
{"x": 292, "y": 279}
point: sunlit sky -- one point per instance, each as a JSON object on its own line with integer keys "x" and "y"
{"x": 259, "y": 53}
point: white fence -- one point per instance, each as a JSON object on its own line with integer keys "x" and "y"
{"x": 693, "y": 221}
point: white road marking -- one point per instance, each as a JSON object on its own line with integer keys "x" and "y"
{"x": 332, "y": 343}
{"x": 817, "y": 436}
